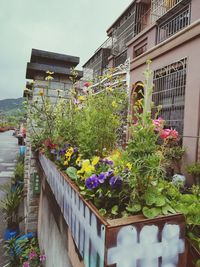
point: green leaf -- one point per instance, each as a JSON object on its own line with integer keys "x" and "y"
{"x": 72, "y": 173}
{"x": 168, "y": 209}
{"x": 160, "y": 201}
{"x": 81, "y": 187}
{"x": 103, "y": 212}
{"x": 114, "y": 210}
{"x": 134, "y": 208}
{"x": 151, "y": 212}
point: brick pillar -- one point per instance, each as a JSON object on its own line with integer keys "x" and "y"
{"x": 42, "y": 61}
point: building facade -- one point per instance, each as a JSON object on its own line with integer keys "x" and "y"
{"x": 168, "y": 33}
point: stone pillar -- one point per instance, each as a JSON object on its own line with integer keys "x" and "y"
{"x": 40, "y": 63}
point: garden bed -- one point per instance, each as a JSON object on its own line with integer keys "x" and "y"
{"x": 133, "y": 241}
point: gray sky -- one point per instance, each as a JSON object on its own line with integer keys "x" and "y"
{"x": 74, "y": 27}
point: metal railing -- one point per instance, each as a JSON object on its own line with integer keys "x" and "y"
{"x": 160, "y": 7}
{"x": 174, "y": 24}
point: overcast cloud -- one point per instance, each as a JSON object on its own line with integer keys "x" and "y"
{"x": 74, "y": 27}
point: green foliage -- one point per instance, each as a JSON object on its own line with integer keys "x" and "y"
{"x": 194, "y": 170}
{"x": 20, "y": 251}
{"x": 97, "y": 123}
{"x": 72, "y": 173}
{"x": 10, "y": 205}
{"x": 19, "y": 171}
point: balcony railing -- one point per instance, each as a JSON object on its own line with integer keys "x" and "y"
{"x": 160, "y": 7}
{"x": 174, "y": 24}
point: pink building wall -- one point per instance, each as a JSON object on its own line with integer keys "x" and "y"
{"x": 184, "y": 44}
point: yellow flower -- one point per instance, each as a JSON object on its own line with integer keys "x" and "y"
{"x": 129, "y": 165}
{"x": 86, "y": 168}
{"x": 66, "y": 162}
{"x": 69, "y": 152}
{"x": 49, "y": 72}
{"x": 116, "y": 154}
{"x": 114, "y": 104}
{"x": 49, "y": 78}
{"x": 41, "y": 93}
{"x": 109, "y": 89}
{"x": 81, "y": 98}
{"x": 95, "y": 160}
{"x": 78, "y": 161}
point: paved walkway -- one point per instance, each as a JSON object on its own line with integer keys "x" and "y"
{"x": 8, "y": 154}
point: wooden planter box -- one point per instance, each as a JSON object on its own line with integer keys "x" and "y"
{"x": 129, "y": 242}
{"x": 193, "y": 255}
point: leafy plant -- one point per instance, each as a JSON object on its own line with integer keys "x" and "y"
{"x": 98, "y": 121}
{"x": 10, "y": 205}
{"x": 194, "y": 170}
{"x": 23, "y": 252}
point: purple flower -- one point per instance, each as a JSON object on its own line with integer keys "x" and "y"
{"x": 115, "y": 181}
{"x": 106, "y": 161}
{"x": 62, "y": 152}
{"x": 110, "y": 172}
{"x": 75, "y": 149}
{"x": 109, "y": 162}
{"x": 92, "y": 182}
{"x": 32, "y": 255}
{"x": 102, "y": 177}
{"x": 26, "y": 264}
{"x": 42, "y": 257}
{"x": 53, "y": 151}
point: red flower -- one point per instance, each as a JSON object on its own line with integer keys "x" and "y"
{"x": 49, "y": 144}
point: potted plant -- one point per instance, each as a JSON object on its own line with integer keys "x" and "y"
{"x": 18, "y": 179}
{"x": 10, "y": 206}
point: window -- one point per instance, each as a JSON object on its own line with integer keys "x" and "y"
{"x": 140, "y": 48}
{"x": 169, "y": 92}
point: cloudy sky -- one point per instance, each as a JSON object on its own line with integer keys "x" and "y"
{"x": 75, "y": 27}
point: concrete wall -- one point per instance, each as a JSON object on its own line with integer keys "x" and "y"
{"x": 54, "y": 236}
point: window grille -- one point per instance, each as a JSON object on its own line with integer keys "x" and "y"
{"x": 140, "y": 50}
{"x": 174, "y": 24}
{"x": 161, "y": 7}
{"x": 169, "y": 92}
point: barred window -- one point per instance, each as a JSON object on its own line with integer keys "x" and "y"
{"x": 169, "y": 92}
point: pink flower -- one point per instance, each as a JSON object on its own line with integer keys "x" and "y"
{"x": 26, "y": 264}
{"x": 169, "y": 134}
{"x": 87, "y": 84}
{"x": 32, "y": 255}
{"x": 158, "y": 123}
{"x": 42, "y": 257}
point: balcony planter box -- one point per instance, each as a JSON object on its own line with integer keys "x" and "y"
{"x": 127, "y": 242}
{"x": 193, "y": 254}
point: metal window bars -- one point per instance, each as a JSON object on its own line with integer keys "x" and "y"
{"x": 160, "y": 7}
{"x": 174, "y": 24}
{"x": 169, "y": 92}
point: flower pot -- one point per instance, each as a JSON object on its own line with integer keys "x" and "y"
{"x": 11, "y": 232}
{"x": 132, "y": 242}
